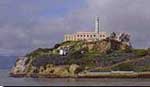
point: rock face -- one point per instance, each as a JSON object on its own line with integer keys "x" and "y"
{"x": 55, "y": 70}
{"x": 107, "y": 45}
{"x": 74, "y": 69}
{"x": 19, "y": 66}
{"x": 62, "y": 70}
{"x": 20, "y": 69}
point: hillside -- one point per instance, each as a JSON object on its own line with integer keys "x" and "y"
{"x": 91, "y": 52}
{"x": 104, "y": 55}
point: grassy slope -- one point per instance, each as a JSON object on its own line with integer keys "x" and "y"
{"x": 114, "y": 60}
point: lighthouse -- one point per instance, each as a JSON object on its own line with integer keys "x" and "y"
{"x": 97, "y": 25}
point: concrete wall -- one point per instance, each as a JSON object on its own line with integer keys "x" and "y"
{"x": 85, "y": 36}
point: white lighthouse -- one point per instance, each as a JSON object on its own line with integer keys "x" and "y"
{"x": 97, "y": 25}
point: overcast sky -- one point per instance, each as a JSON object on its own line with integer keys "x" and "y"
{"x": 26, "y": 25}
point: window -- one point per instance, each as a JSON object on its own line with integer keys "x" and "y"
{"x": 94, "y": 35}
{"x": 81, "y": 35}
{"x": 87, "y": 35}
{"x": 100, "y": 35}
{"x": 91, "y": 35}
{"x": 84, "y": 35}
{"x": 77, "y": 35}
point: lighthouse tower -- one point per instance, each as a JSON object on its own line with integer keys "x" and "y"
{"x": 97, "y": 25}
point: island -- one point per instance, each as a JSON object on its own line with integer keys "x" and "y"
{"x": 86, "y": 55}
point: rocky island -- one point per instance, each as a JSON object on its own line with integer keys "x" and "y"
{"x": 86, "y": 54}
{"x": 85, "y": 59}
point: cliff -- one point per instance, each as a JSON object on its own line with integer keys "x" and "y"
{"x": 70, "y": 58}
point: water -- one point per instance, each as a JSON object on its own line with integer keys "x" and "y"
{"x": 6, "y": 62}
{"x": 5, "y": 80}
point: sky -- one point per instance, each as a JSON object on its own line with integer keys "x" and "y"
{"x": 26, "y": 25}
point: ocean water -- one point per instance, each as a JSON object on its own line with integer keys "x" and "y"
{"x": 5, "y": 80}
{"x": 6, "y": 62}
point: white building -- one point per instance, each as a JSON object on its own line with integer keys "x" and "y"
{"x": 98, "y": 35}
{"x": 89, "y": 36}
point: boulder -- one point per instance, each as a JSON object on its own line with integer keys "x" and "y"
{"x": 61, "y": 71}
{"x": 19, "y": 66}
{"x": 74, "y": 69}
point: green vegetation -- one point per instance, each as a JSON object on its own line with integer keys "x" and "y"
{"x": 148, "y": 51}
{"x": 142, "y": 68}
{"x": 124, "y": 67}
{"x": 140, "y": 52}
{"x": 40, "y": 52}
{"x": 102, "y": 54}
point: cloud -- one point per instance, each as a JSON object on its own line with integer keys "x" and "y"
{"x": 27, "y": 25}
{"x": 131, "y": 16}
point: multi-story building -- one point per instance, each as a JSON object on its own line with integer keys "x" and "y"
{"x": 88, "y": 36}
{"x": 97, "y": 35}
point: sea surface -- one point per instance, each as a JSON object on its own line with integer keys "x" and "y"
{"x": 6, "y": 62}
{"x": 5, "y": 80}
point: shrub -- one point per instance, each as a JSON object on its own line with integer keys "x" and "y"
{"x": 102, "y": 70}
{"x": 142, "y": 69}
{"x": 140, "y": 52}
{"x": 146, "y": 69}
{"x": 39, "y": 52}
{"x": 148, "y": 51}
{"x": 56, "y": 46}
{"x": 124, "y": 67}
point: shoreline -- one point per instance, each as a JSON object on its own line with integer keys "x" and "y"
{"x": 86, "y": 75}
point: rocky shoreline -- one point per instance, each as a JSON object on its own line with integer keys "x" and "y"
{"x": 87, "y": 75}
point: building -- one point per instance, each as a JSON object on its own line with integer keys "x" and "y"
{"x": 88, "y": 36}
{"x": 63, "y": 51}
{"x": 98, "y": 35}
